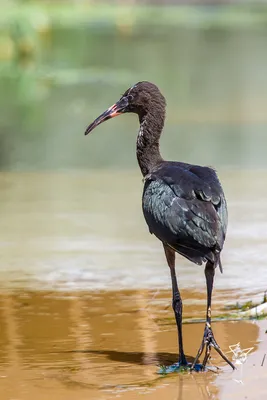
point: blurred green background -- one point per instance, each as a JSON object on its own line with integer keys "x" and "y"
{"x": 64, "y": 62}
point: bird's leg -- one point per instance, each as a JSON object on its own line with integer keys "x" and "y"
{"x": 208, "y": 337}
{"x": 176, "y": 302}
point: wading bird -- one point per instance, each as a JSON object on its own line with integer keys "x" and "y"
{"x": 183, "y": 204}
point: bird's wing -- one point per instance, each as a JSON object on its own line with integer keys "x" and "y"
{"x": 181, "y": 207}
{"x": 209, "y": 176}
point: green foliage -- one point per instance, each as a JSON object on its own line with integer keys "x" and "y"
{"x": 61, "y": 64}
{"x": 69, "y": 14}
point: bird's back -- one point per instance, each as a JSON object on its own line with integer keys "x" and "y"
{"x": 185, "y": 207}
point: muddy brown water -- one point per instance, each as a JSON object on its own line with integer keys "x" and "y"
{"x": 109, "y": 345}
{"x": 85, "y": 305}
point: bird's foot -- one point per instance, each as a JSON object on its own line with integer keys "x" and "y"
{"x": 178, "y": 367}
{"x": 209, "y": 341}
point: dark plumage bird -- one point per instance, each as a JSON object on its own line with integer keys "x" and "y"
{"x": 183, "y": 204}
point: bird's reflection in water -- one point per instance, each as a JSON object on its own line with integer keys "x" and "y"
{"x": 102, "y": 341}
{"x": 197, "y": 387}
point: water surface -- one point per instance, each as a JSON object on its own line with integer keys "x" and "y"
{"x": 107, "y": 345}
{"x": 85, "y": 230}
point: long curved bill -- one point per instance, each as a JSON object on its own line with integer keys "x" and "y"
{"x": 117, "y": 109}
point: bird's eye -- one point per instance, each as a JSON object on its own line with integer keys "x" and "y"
{"x": 130, "y": 97}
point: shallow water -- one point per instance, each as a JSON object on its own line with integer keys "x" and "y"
{"x": 69, "y": 242}
{"x": 110, "y": 344}
{"x": 86, "y": 231}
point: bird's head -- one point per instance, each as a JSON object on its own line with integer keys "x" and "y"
{"x": 139, "y": 99}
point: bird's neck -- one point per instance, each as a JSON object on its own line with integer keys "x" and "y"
{"x": 147, "y": 144}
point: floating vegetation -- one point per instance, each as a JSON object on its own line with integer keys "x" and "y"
{"x": 249, "y": 309}
{"x": 181, "y": 369}
{"x": 264, "y": 297}
{"x": 240, "y": 307}
{"x": 164, "y": 370}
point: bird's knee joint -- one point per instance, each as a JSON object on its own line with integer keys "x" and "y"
{"x": 177, "y": 304}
